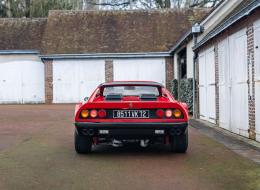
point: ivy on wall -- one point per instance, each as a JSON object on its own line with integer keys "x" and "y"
{"x": 175, "y": 89}
{"x": 185, "y": 94}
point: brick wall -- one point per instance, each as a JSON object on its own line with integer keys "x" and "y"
{"x": 217, "y": 82}
{"x": 248, "y": 24}
{"x": 48, "y": 73}
{"x": 169, "y": 72}
{"x": 251, "y": 96}
{"x": 109, "y": 75}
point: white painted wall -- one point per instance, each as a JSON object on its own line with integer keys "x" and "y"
{"x": 21, "y": 79}
{"x": 140, "y": 69}
{"x": 190, "y": 56}
{"x": 175, "y": 66}
{"x": 75, "y": 79}
{"x": 257, "y": 77}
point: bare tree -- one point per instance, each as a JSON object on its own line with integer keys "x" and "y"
{"x": 40, "y": 8}
{"x": 8, "y": 8}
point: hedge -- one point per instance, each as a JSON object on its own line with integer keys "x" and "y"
{"x": 175, "y": 88}
{"x": 186, "y": 92}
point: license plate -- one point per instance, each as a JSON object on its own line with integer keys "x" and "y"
{"x": 131, "y": 114}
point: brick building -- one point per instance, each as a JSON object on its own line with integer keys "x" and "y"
{"x": 227, "y": 67}
{"x": 62, "y": 58}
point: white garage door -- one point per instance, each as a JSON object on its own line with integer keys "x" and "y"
{"x": 140, "y": 69}
{"x": 257, "y": 78}
{"x": 238, "y": 80}
{"x": 21, "y": 82}
{"x": 224, "y": 85}
{"x": 73, "y": 80}
{"x": 207, "y": 85}
{"x": 233, "y": 87}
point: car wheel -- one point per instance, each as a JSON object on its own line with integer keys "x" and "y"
{"x": 180, "y": 143}
{"x": 83, "y": 144}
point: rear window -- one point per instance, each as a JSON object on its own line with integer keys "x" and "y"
{"x": 131, "y": 90}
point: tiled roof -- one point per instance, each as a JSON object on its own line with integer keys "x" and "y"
{"x": 86, "y": 32}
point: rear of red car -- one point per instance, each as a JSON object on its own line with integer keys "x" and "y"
{"x": 124, "y": 112}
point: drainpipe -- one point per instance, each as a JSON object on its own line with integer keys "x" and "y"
{"x": 196, "y": 29}
{"x": 195, "y": 36}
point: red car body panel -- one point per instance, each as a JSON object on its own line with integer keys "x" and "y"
{"x": 97, "y": 101}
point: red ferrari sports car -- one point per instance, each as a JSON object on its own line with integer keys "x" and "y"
{"x": 122, "y": 112}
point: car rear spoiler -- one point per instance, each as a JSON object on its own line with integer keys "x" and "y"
{"x": 148, "y": 97}
{"x": 111, "y": 97}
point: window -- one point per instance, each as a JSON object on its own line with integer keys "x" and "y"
{"x": 131, "y": 90}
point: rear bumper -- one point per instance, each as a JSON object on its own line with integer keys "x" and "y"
{"x": 132, "y": 130}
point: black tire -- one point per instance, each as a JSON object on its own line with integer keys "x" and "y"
{"x": 83, "y": 144}
{"x": 179, "y": 143}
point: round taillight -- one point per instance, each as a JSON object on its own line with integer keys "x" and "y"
{"x": 168, "y": 113}
{"x": 84, "y": 113}
{"x": 93, "y": 113}
{"x": 177, "y": 113}
{"x": 102, "y": 113}
{"x": 160, "y": 113}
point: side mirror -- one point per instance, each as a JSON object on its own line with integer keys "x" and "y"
{"x": 86, "y": 99}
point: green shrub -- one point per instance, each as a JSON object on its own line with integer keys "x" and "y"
{"x": 186, "y": 92}
{"x": 175, "y": 89}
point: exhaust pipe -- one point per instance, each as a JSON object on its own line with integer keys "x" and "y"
{"x": 91, "y": 132}
{"x": 85, "y": 132}
{"x": 178, "y": 131}
{"x": 144, "y": 143}
{"x": 175, "y": 132}
{"x": 172, "y": 132}
{"x": 88, "y": 132}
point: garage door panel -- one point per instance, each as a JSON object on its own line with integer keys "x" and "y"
{"x": 140, "y": 69}
{"x": 239, "y": 58}
{"x": 211, "y": 100}
{"x": 210, "y": 74}
{"x": 202, "y": 76}
{"x": 224, "y": 108}
{"x": 210, "y": 67}
{"x": 32, "y": 81}
{"x": 125, "y": 70}
{"x": 207, "y": 85}
{"x": 203, "y": 105}
{"x": 239, "y": 87}
{"x": 64, "y": 82}
{"x": 10, "y": 83}
{"x": 90, "y": 76}
{"x": 202, "y": 87}
{"x": 75, "y": 80}
{"x": 239, "y": 109}
{"x": 152, "y": 70}
{"x": 21, "y": 82}
{"x": 224, "y": 85}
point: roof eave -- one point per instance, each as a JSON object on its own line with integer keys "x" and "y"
{"x": 241, "y": 14}
{"x": 106, "y": 55}
{"x": 183, "y": 39}
{"x": 19, "y": 52}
